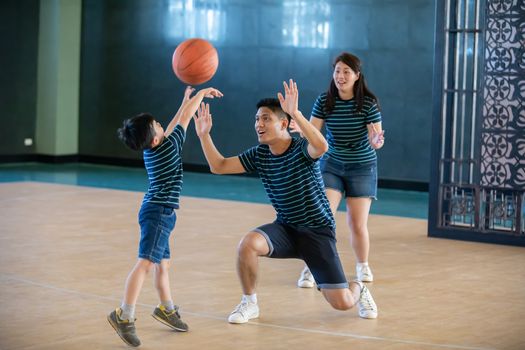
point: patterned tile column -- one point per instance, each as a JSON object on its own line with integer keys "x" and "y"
{"x": 503, "y": 117}
{"x": 503, "y": 127}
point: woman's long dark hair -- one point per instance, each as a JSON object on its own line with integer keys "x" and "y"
{"x": 360, "y": 88}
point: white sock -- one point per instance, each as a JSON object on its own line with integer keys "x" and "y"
{"x": 128, "y": 312}
{"x": 168, "y": 305}
{"x": 251, "y": 298}
{"x": 362, "y": 264}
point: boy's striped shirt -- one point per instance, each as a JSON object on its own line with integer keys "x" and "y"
{"x": 164, "y": 166}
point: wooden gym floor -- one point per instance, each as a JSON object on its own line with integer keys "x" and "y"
{"x": 65, "y": 252}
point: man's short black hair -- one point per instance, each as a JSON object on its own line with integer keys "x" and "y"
{"x": 137, "y": 132}
{"x": 275, "y": 106}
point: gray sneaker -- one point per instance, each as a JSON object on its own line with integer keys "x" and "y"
{"x": 124, "y": 328}
{"x": 170, "y": 319}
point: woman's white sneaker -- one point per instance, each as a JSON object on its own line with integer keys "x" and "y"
{"x": 364, "y": 273}
{"x": 306, "y": 280}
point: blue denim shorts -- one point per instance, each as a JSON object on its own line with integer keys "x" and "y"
{"x": 351, "y": 179}
{"x": 156, "y": 223}
{"x": 316, "y": 246}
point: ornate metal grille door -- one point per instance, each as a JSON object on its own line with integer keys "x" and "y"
{"x": 478, "y": 149}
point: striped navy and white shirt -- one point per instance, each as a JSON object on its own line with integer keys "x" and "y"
{"x": 293, "y": 183}
{"x": 164, "y": 166}
{"x": 346, "y": 130}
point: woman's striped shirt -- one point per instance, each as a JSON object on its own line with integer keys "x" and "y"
{"x": 293, "y": 183}
{"x": 164, "y": 166}
{"x": 346, "y": 130}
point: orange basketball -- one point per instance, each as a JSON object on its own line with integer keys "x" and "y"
{"x": 195, "y": 61}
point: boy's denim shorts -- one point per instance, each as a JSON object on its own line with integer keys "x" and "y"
{"x": 351, "y": 179}
{"x": 156, "y": 223}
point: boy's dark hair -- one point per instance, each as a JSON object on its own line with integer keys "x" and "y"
{"x": 275, "y": 106}
{"x": 137, "y": 132}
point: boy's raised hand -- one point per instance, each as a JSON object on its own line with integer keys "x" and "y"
{"x": 191, "y": 106}
{"x": 203, "y": 122}
{"x": 187, "y": 93}
{"x": 210, "y": 92}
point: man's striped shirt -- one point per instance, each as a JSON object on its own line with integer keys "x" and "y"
{"x": 346, "y": 130}
{"x": 293, "y": 183}
{"x": 164, "y": 166}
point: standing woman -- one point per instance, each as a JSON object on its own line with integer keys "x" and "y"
{"x": 350, "y": 112}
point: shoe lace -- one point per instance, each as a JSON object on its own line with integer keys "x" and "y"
{"x": 365, "y": 300}
{"x": 365, "y": 270}
{"x": 242, "y": 309}
{"x": 307, "y": 275}
{"x": 126, "y": 326}
{"x": 173, "y": 314}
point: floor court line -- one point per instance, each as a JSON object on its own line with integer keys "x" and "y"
{"x": 258, "y": 324}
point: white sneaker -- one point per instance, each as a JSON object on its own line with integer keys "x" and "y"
{"x": 366, "y": 304}
{"x": 306, "y": 280}
{"x": 244, "y": 312}
{"x": 364, "y": 274}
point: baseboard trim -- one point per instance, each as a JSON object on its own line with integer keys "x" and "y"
{"x": 471, "y": 236}
{"x": 403, "y": 185}
{"x": 40, "y": 158}
{"x": 126, "y": 162}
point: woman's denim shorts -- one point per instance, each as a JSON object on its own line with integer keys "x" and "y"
{"x": 156, "y": 223}
{"x": 351, "y": 179}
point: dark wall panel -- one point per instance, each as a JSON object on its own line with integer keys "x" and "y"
{"x": 18, "y": 61}
{"x": 126, "y": 67}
